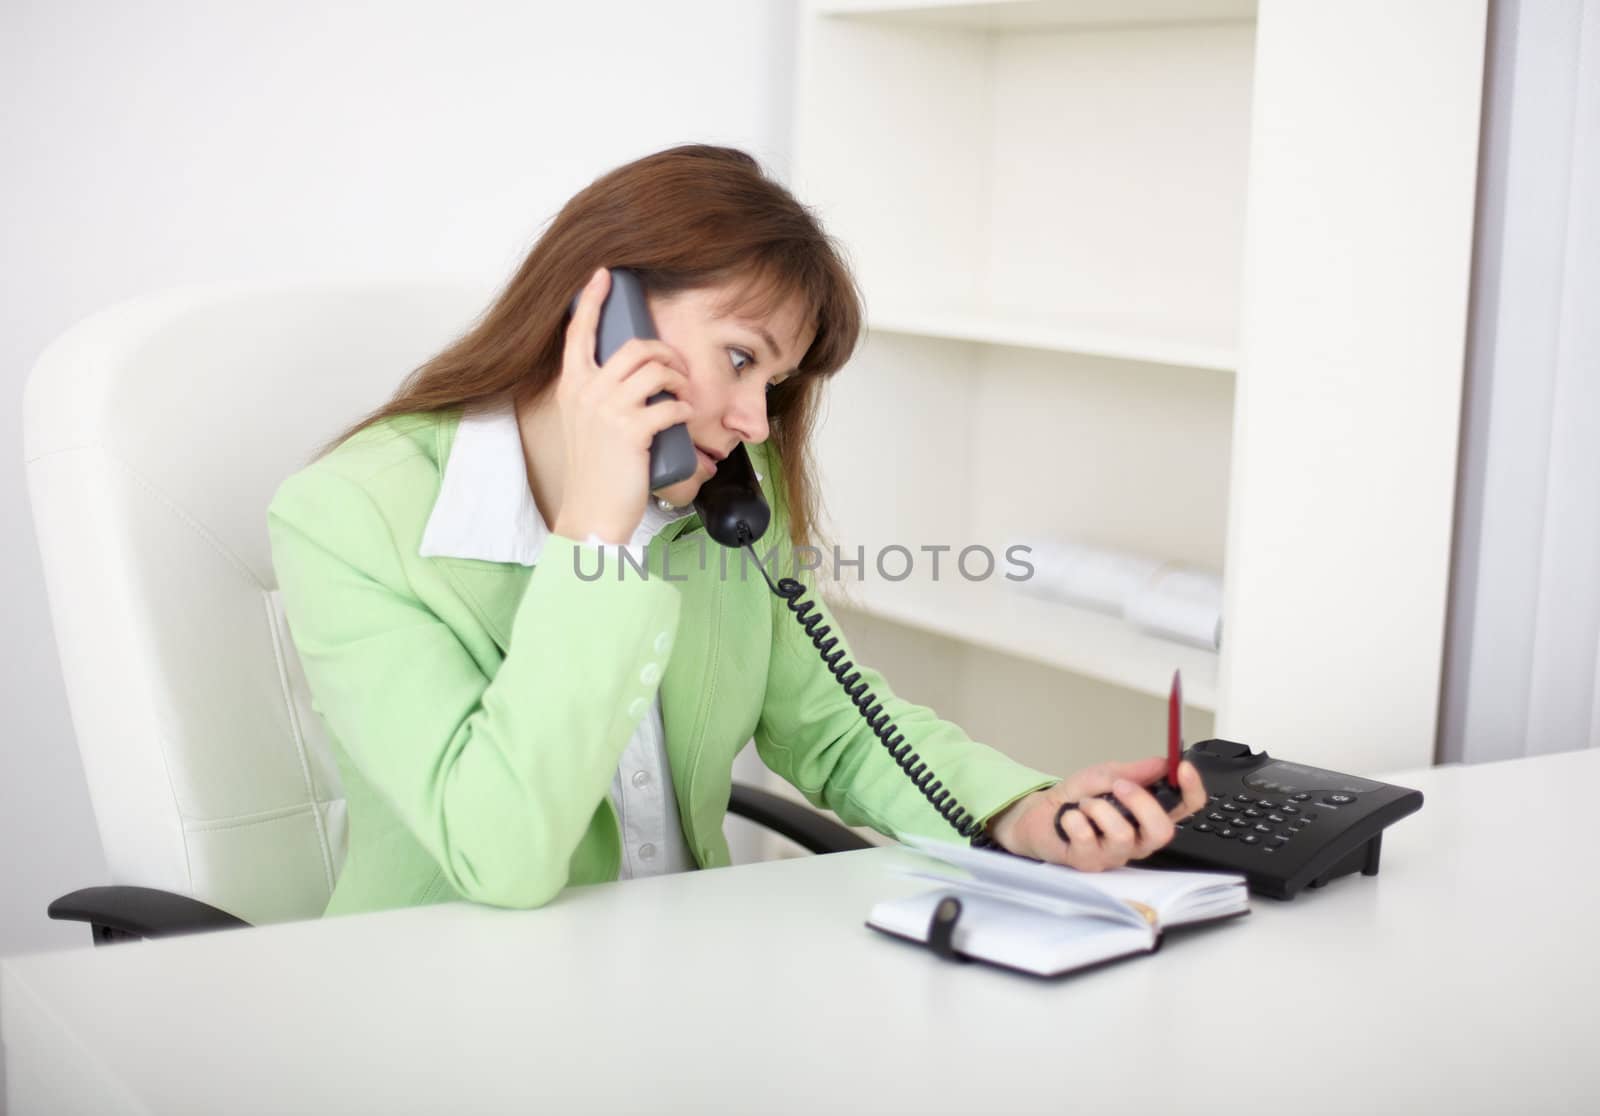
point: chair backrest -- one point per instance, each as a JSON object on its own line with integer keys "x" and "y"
{"x": 155, "y": 434}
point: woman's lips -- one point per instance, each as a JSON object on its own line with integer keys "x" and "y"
{"x": 706, "y": 459}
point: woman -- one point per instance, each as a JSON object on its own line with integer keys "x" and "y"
{"x": 505, "y": 722}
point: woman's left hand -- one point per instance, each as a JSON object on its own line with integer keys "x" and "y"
{"x": 1027, "y": 827}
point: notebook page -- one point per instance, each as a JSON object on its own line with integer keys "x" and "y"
{"x": 1178, "y": 897}
{"x": 1015, "y": 936}
{"x": 1014, "y": 872}
{"x": 1059, "y": 906}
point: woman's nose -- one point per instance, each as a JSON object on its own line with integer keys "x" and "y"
{"x": 747, "y": 411}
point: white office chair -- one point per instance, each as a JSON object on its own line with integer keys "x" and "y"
{"x": 156, "y": 433}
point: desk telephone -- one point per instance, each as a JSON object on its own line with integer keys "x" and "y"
{"x": 1284, "y": 826}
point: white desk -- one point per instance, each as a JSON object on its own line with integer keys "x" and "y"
{"x": 1461, "y": 979}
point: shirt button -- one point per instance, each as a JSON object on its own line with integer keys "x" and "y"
{"x": 663, "y": 641}
{"x": 650, "y": 675}
{"x": 641, "y": 779}
{"x": 636, "y": 707}
{"x": 647, "y": 851}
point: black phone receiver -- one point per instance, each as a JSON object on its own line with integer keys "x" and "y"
{"x": 624, "y": 316}
{"x": 730, "y": 504}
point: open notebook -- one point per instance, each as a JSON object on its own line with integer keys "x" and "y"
{"x": 1047, "y": 919}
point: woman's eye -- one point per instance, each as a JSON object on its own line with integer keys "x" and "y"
{"x": 741, "y": 355}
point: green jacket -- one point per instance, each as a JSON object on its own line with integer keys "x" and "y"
{"x": 477, "y": 710}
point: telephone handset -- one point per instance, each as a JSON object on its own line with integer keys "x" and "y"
{"x": 627, "y": 315}
{"x": 735, "y": 514}
{"x": 730, "y": 503}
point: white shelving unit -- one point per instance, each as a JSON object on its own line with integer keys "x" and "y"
{"x": 1117, "y": 257}
{"x": 1044, "y": 203}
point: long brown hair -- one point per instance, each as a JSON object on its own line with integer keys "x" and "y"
{"x": 683, "y": 218}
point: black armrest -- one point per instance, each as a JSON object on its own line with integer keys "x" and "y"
{"x": 117, "y": 914}
{"x": 802, "y": 825}
{"x": 124, "y": 913}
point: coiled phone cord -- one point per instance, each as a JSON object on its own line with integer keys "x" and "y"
{"x": 871, "y": 710}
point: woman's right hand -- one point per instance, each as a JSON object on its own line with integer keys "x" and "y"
{"x": 606, "y": 424}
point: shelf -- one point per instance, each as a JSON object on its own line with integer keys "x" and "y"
{"x": 1078, "y": 640}
{"x": 1061, "y": 192}
{"x": 1063, "y": 335}
{"x": 1050, "y": 249}
{"x": 1028, "y": 15}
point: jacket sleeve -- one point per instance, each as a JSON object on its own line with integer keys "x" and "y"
{"x": 811, "y": 733}
{"x": 498, "y": 779}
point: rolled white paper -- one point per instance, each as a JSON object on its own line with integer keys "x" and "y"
{"x": 1093, "y": 577}
{"x": 1181, "y": 604}
{"x": 1172, "y": 601}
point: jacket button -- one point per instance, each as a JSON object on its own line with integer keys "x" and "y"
{"x": 636, "y": 708}
{"x": 650, "y": 675}
{"x": 663, "y": 641}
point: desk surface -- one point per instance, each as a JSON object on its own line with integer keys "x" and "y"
{"x": 1460, "y": 979}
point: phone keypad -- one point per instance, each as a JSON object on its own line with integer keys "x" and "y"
{"x": 1261, "y": 822}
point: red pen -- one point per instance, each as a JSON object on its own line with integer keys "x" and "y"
{"x": 1166, "y": 793}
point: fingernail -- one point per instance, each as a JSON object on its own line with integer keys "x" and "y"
{"x": 595, "y": 278}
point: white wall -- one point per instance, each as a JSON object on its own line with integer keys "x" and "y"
{"x": 164, "y": 142}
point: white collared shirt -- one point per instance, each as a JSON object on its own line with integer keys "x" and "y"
{"x": 485, "y": 510}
